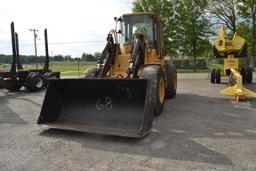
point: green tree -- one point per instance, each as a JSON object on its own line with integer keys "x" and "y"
{"x": 247, "y": 10}
{"x": 186, "y": 25}
{"x": 88, "y": 57}
{"x": 67, "y": 58}
{"x": 194, "y": 28}
{"x": 223, "y": 13}
{"x": 97, "y": 55}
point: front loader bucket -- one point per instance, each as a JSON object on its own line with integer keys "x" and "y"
{"x": 106, "y": 106}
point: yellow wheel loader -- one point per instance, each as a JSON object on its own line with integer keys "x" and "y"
{"x": 124, "y": 91}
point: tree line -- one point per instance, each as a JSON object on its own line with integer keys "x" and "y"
{"x": 7, "y": 59}
{"x": 192, "y": 25}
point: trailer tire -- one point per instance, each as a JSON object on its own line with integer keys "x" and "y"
{"x": 50, "y": 75}
{"x": 90, "y": 72}
{"x": 218, "y": 76}
{"x": 171, "y": 79}
{"x": 1, "y": 83}
{"x": 243, "y": 74}
{"x": 213, "y": 76}
{"x": 249, "y": 75}
{"x": 157, "y": 87}
{"x": 35, "y": 82}
{"x": 12, "y": 85}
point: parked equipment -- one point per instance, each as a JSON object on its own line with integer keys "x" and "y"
{"x": 33, "y": 80}
{"x": 122, "y": 93}
{"x": 231, "y": 51}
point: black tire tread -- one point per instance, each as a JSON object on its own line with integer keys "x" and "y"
{"x": 249, "y": 75}
{"x": 218, "y": 76}
{"x": 171, "y": 74}
{"x": 213, "y": 76}
{"x": 153, "y": 73}
{"x": 12, "y": 85}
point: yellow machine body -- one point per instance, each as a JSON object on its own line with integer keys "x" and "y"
{"x": 228, "y": 49}
{"x": 236, "y": 88}
{"x": 230, "y": 63}
{"x": 232, "y": 51}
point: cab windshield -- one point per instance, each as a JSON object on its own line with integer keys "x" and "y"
{"x": 137, "y": 24}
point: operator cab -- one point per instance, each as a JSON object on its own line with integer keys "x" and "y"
{"x": 147, "y": 24}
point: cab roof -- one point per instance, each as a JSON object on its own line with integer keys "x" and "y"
{"x": 142, "y": 13}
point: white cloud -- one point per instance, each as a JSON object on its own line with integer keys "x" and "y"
{"x": 66, "y": 20}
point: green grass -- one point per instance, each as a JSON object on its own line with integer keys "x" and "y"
{"x": 215, "y": 65}
{"x": 66, "y": 68}
{"x": 192, "y": 71}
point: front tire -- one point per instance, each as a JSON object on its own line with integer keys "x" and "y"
{"x": 157, "y": 87}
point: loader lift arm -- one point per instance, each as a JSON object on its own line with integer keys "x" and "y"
{"x": 106, "y": 59}
{"x": 137, "y": 55}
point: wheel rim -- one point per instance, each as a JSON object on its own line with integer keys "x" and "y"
{"x": 175, "y": 82}
{"x": 40, "y": 83}
{"x": 161, "y": 90}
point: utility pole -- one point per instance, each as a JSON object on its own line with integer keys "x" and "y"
{"x": 35, "y": 36}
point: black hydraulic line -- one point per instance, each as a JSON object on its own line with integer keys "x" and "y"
{"x": 19, "y": 66}
{"x": 14, "y": 54}
{"x": 46, "y": 64}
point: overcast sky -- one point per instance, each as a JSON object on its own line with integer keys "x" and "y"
{"x": 67, "y": 21}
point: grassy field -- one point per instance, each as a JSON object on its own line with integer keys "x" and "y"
{"x": 66, "y": 68}
{"x": 70, "y": 68}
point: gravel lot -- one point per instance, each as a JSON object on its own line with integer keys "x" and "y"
{"x": 198, "y": 130}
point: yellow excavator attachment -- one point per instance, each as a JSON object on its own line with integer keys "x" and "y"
{"x": 236, "y": 89}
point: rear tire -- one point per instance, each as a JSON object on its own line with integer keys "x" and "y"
{"x": 218, "y": 76}
{"x": 90, "y": 72}
{"x": 1, "y": 83}
{"x": 12, "y": 85}
{"x": 35, "y": 82}
{"x": 171, "y": 88}
{"x": 249, "y": 75}
{"x": 213, "y": 76}
{"x": 157, "y": 87}
{"x": 243, "y": 74}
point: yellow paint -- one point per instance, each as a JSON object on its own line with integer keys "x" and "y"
{"x": 230, "y": 63}
{"x": 237, "y": 90}
{"x": 223, "y": 45}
